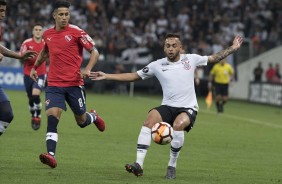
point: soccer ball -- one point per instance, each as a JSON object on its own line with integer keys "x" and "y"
{"x": 162, "y": 133}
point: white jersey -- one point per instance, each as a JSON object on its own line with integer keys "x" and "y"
{"x": 176, "y": 79}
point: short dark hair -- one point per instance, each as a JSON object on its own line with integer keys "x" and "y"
{"x": 3, "y": 2}
{"x": 37, "y": 24}
{"x": 60, "y": 4}
{"x": 172, "y": 35}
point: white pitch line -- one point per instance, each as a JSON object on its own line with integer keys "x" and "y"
{"x": 245, "y": 119}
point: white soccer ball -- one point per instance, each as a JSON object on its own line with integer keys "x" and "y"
{"x": 162, "y": 133}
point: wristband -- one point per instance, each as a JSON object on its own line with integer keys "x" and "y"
{"x": 35, "y": 67}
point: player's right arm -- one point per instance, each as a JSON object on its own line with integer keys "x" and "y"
{"x": 126, "y": 77}
{"x": 44, "y": 54}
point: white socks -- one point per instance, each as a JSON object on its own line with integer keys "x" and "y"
{"x": 143, "y": 143}
{"x": 176, "y": 145}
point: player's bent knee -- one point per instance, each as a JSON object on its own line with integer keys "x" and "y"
{"x": 149, "y": 124}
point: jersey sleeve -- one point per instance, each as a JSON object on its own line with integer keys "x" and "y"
{"x": 146, "y": 72}
{"x": 86, "y": 41}
{"x": 200, "y": 60}
{"x": 23, "y": 48}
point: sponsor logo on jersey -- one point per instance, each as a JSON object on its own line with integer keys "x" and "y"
{"x": 165, "y": 64}
{"x": 145, "y": 70}
{"x": 68, "y": 38}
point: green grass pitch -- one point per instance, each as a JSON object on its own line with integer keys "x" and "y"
{"x": 243, "y": 145}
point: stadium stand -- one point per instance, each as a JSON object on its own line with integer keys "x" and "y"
{"x": 114, "y": 24}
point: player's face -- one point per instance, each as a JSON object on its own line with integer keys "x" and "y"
{"x": 37, "y": 32}
{"x": 172, "y": 48}
{"x": 2, "y": 12}
{"x": 62, "y": 17}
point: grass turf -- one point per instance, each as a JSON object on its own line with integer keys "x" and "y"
{"x": 243, "y": 145}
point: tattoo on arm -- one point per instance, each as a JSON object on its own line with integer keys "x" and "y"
{"x": 221, "y": 55}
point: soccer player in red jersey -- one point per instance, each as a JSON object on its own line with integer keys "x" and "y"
{"x": 33, "y": 89}
{"x": 64, "y": 44}
{"x": 6, "y": 112}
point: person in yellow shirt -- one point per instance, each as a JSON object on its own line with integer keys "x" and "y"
{"x": 221, "y": 74}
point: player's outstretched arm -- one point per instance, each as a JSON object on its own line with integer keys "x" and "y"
{"x": 127, "y": 77}
{"x": 238, "y": 40}
{"x": 9, "y": 53}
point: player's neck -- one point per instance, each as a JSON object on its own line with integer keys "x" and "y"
{"x": 59, "y": 28}
{"x": 174, "y": 60}
{"x": 37, "y": 40}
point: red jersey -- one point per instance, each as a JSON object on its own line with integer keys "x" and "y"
{"x": 30, "y": 44}
{"x": 65, "y": 54}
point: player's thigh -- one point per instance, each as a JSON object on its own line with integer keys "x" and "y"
{"x": 185, "y": 120}
{"x": 181, "y": 121}
{"x": 55, "y": 97}
{"x": 165, "y": 114}
{"x": 153, "y": 117}
{"x": 76, "y": 99}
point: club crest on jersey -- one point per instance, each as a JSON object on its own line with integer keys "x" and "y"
{"x": 68, "y": 38}
{"x": 185, "y": 63}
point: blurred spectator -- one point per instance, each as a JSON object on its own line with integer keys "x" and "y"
{"x": 120, "y": 87}
{"x": 258, "y": 72}
{"x": 277, "y": 76}
{"x": 270, "y": 73}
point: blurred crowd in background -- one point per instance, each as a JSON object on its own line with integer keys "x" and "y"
{"x": 115, "y": 25}
{"x": 206, "y": 26}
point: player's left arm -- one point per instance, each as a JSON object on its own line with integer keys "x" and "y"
{"x": 87, "y": 42}
{"x": 238, "y": 40}
{"x": 94, "y": 55}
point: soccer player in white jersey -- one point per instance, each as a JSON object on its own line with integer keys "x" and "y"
{"x": 179, "y": 105}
